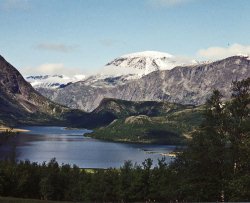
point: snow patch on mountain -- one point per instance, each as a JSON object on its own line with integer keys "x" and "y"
{"x": 53, "y": 81}
{"x": 106, "y": 81}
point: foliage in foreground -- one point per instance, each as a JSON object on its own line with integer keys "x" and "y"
{"x": 5, "y": 135}
{"x": 22, "y": 200}
{"x": 216, "y": 164}
{"x": 214, "y": 167}
{"x": 53, "y": 182}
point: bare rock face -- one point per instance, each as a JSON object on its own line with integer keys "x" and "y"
{"x": 187, "y": 85}
{"x": 18, "y": 97}
{"x": 183, "y": 84}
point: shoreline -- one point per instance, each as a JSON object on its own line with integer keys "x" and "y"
{"x": 14, "y": 130}
{"x": 127, "y": 141}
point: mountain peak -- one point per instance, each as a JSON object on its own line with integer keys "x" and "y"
{"x": 2, "y": 58}
{"x": 142, "y": 63}
{"x": 151, "y": 54}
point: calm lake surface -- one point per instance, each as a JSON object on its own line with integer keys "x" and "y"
{"x": 71, "y": 146}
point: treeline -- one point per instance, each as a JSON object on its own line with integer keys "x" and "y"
{"x": 53, "y": 182}
{"x": 5, "y": 135}
{"x": 215, "y": 166}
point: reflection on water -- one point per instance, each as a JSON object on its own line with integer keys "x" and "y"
{"x": 70, "y": 146}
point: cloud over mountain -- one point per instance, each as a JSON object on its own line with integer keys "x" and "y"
{"x": 51, "y": 69}
{"x": 223, "y": 52}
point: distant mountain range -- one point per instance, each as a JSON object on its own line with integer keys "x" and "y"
{"x": 52, "y": 81}
{"x": 184, "y": 84}
{"x": 117, "y": 72}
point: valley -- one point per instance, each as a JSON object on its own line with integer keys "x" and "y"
{"x": 124, "y": 101}
{"x": 129, "y": 133}
{"x": 122, "y": 106}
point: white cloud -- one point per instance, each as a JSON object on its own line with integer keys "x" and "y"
{"x": 56, "y": 47}
{"x": 168, "y": 3}
{"x": 51, "y": 69}
{"x": 223, "y": 52}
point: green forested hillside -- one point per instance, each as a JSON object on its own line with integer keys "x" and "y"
{"x": 122, "y": 108}
{"x": 174, "y": 127}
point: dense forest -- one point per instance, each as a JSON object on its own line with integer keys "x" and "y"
{"x": 215, "y": 166}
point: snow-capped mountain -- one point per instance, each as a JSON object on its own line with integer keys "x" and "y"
{"x": 143, "y": 63}
{"x": 117, "y": 72}
{"x": 53, "y": 81}
{"x": 183, "y": 84}
{"x": 133, "y": 66}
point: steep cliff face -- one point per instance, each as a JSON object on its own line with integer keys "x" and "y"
{"x": 19, "y": 99}
{"x": 183, "y": 84}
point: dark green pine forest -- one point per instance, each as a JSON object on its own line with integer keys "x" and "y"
{"x": 215, "y": 166}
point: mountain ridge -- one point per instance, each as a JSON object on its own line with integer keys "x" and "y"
{"x": 19, "y": 100}
{"x": 119, "y": 71}
{"x": 182, "y": 84}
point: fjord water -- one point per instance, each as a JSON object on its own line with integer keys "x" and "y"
{"x": 70, "y": 146}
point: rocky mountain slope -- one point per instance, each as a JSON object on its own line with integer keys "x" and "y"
{"x": 183, "y": 84}
{"x": 19, "y": 100}
{"x": 20, "y": 103}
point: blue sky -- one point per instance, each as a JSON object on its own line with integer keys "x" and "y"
{"x": 80, "y": 36}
